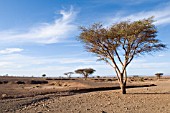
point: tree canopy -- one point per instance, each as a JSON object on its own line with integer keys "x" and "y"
{"x": 120, "y": 43}
{"x": 44, "y": 75}
{"x": 159, "y": 75}
{"x": 85, "y": 72}
{"x": 68, "y": 74}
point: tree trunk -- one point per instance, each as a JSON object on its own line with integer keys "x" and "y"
{"x": 123, "y": 88}
{"x": 85, "y": 76}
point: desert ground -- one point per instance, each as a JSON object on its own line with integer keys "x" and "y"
{"x": 76, "y": 95}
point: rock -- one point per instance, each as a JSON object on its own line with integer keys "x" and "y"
{"x": 4, "y": 95}
{"x": 126, "y": 108}
{"x": 109, "y": 103}
{"x": 65, "y": 85}
{"x": 6, "y": 110}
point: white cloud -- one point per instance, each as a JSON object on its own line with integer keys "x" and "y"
{"x": 17, "y": 64}
{"x": 26, "y": 61}
{"x": 45, "y": 33}
{"x": 10, "y": 50}
{"x": 162, "y": 16}
{"x": 5, "y": 64}
{"x": 161, "y": 55}
{"x": 137, "y": 2}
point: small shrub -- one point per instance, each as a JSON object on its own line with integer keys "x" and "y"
{"x": 72, "y": 79}
{"x": 57, "y": 79}
{"x": 56, "y": 84}
{"x": 49, "y": 79}
{"x": 65, "y": 85}
{"x": 98, "y": 76}
{"x": 52, "y": 84}
{"x": 145, "y": 78}
{"x": 135, "y": 76}
{"x": 39, "y": 82}
{"x": 20, "y": 82}
{"x": 132, "y": 80}
{"x": 141, "y": 79}
{"x": 109, "y": 79}
{"x": 3, "y": 82}
{"x": 59, "y": 84}
{"x": 101, "y": 80}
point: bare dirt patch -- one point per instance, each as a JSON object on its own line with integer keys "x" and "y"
{"x": 86, "y": 96}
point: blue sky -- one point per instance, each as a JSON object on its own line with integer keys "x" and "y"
{"x": 39, "y": 36}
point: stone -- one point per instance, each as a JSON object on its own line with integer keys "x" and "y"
{"x": 4, "y": 96}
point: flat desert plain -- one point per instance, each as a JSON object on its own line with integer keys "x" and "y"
{"x": 146, "y": 95}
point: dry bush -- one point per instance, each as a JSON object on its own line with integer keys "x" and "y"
{"x": 56, "y": 84}
{"x": 49, "y": 79}
{"x": 137, "y": 78}
{"x": 39, "y": 82}
{"x": 109, "y": 79}
{"x": 4, "y": 82}
{"x": 141, "y": 79}
{"x": 20, "y": 82}
{"x": 98, "y": 76}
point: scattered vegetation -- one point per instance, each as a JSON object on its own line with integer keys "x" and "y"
{"x": 20, "y": 82}
{"x": 3, "y": 82}
{"x": 109, "y": 79}
{"x": 49, "y": 79}
{"x": 39, "y": 82}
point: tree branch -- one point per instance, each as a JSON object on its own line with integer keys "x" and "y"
{"x": 117, "y": 54}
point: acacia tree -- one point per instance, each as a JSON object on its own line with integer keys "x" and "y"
{"x": 85, "y": 72}
{"x": 68, "y": 74}
{"x": 44, "y": 75}
{"x": 158, "y": 75}
{"x": 118, "y": 44}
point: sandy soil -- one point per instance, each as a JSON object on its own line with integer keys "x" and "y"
{"x": 154, "y": 99}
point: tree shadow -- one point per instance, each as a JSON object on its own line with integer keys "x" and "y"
{"x": 166, "y": 93}
{"x": 88, "y": 90}
{"x": 150, "y": 92}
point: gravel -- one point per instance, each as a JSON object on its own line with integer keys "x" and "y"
{"x": 154, "y": 99}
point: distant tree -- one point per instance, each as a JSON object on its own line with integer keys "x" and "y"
{"x": 44, "y": 75}
{"x": 98, "y": 76}
{"x": 158, "y": 75}
{"x": 68, "y": 74}
{"x": 6, "y": 75}
{"x": 85, "y": 72}
{"x": 119, "y": 44}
